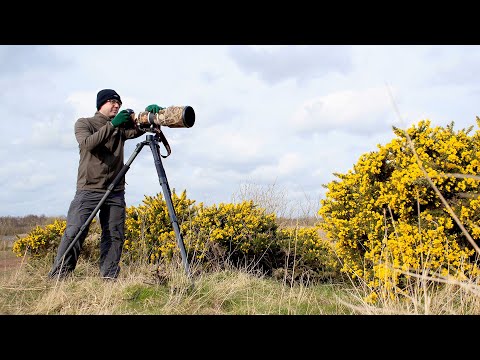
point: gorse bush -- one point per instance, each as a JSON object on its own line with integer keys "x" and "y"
{"x": 42, "y": 241}
{"x": 385, "y": 220}
{"x": 240, "y": 234}
{"x": 213, "y": 235}
{"x": 210, "y": 233}
{"x": 149, "y": 234}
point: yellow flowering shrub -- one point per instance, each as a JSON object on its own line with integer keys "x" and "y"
{"x": 42, "y": 240}
{"x": 237, "y": 232}
{"x": 148, "y": 229}
{"x": 242, "y": 234}
{"x": 209, "y": 233}
{"x": 384, "y": 219}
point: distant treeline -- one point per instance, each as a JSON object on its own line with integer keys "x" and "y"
{"x": 14, "y": 225}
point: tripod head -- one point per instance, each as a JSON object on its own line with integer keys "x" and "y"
{"x": 159, "y": 137}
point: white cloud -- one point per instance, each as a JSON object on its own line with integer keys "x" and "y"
{"x": 362, "y": 112}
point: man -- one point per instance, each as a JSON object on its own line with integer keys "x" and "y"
{"x": 101, "y": 141}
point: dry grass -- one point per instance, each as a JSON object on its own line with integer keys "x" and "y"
{"x": 145, "y": 289}
{"x": 165, "y": 289}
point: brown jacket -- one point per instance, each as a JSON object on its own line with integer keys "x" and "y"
{"x": 101, "y": 148}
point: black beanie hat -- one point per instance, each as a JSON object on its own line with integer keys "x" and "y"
{"x": 106, "y": 94}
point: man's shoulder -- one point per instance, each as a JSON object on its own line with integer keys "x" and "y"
{"x": 96, "y": 118}
{"x": 84, "y": 122}
{"x": 87, "y": 118}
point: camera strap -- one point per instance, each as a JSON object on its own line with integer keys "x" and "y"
{"x": 163, "y": 139}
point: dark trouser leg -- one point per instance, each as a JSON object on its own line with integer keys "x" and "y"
{"x": 112, "y": 220}
{"x": 78, "y": 212}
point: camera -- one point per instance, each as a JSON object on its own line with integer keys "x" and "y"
{"x": 172, "y": 116}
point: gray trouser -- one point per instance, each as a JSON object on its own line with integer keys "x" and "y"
{"x": 112, "y": 222}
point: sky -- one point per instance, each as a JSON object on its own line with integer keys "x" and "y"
{"x": 270, "y": 120}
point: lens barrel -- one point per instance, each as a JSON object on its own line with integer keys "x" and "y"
{"x": 172, "y": 116}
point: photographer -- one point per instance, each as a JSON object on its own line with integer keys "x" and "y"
{"x": 101, "y": 141}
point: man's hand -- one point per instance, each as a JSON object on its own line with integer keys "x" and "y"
{"x": 154, "y": 108}
{"x": 121, "y": 118}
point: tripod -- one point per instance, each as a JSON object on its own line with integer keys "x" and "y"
{"x": 152, "y": 141}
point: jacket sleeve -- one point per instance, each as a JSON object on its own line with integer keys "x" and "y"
{"x": 89, "y": 139}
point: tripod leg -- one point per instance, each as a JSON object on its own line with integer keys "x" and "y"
{"x": 57, "y": 267}
{"x": 162, "y": 177}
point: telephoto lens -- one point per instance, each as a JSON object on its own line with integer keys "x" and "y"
{"x": 172, "y": 116}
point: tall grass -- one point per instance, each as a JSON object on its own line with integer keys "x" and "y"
{"x": 164, "y": 289}
{"x": 144, "y": 289}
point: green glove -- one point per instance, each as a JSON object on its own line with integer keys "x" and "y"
{"x": 121, "y": 118}
{"x": 154, "y": 108}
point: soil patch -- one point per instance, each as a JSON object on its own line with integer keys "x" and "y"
{"x": 8, "y": 259}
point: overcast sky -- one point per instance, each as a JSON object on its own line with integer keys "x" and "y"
{"x": 267, "y": 117}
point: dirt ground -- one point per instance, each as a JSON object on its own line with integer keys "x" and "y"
{"x": 8, "y": 259}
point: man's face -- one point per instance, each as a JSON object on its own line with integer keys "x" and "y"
{"x": 111, "y": 108}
